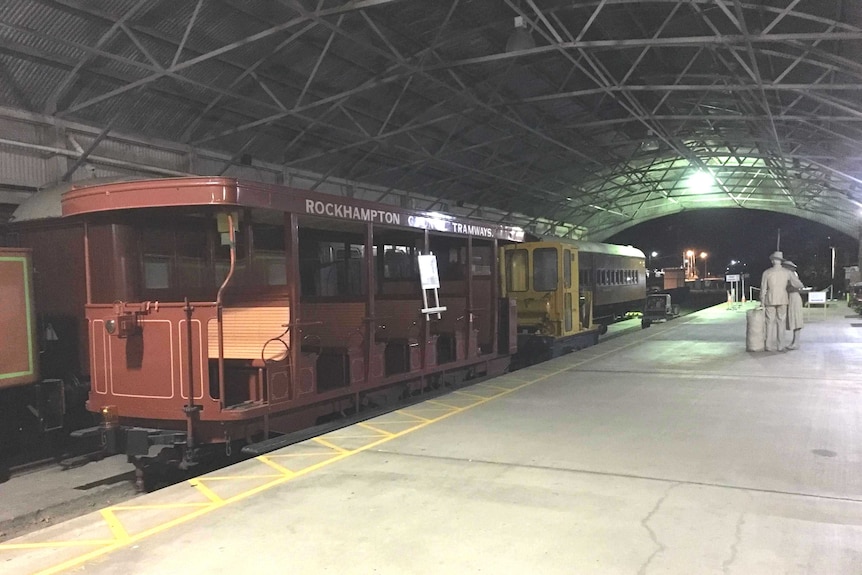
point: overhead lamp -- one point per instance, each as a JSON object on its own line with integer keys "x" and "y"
{"x": 650, "y": 143}
{"x": 701, "y": 182}
{"x": 520, "y": 38}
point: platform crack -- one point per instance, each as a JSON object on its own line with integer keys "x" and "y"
{"x": 734, "y": 547}
{"x": 660, "y": 547}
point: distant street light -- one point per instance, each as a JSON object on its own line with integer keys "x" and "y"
{"x": 703, "y": 257}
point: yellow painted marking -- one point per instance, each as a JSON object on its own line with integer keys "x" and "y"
{"x": 163, "y": 506}
{"x": 473, "y": 395}
{"x": 284, "y": 470}
{"x": 55, "y": 544}
{"x": 419, "y": 417}
{"x": 325, "y": 443}
{"x": 336, "y": 435}
{"x": 497, "y": 387}
{"x": 441, "y": 404}
{"x": 116, "y": 527}
{"x": 342, "y": 454}
{"x": 303, "y": 454}
{"x": 210, "y": 494}
{"x": 232, "y": 477}
{"x": 375, "y": 429}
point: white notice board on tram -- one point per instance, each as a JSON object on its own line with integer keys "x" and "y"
{"x": 428, "y": 272}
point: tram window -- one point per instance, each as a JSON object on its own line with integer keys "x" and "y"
{"x": 222, "y": 256}
{"x": 400, "y": 262}
{"x": 157, "y": 248}
{"x": 516, "y": 270}
{"x": 482, "y": 260}
{"x": 567, "y": 269}
{"x": 269, "y": 258}
{"x": 545, "y": 270}
{"x": 331, "y": 269}
{"x": 192, "y": 258}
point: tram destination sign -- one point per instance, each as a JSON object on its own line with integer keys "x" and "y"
{"x": 426, "y": 221}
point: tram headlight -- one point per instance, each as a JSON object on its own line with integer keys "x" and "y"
{"x": 110, "y": 416}
{"x": 111, "y": 326}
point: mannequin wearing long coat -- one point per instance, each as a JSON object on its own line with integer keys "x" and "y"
{"x": 794, "y": 305}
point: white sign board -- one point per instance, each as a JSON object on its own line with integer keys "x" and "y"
{"x": 428, "y": 272}
{"x": 817, "y": 297}
{"x": 730, "y": 278}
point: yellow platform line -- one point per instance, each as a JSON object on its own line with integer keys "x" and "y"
{"x": 489, "y": 386}
{"x": 116, "y": 527}
{"x": 476, "y": 396}
{"x": 343, "y": 454}
{"x": 232, "y": 477}
{"x": 162, "y": 506}
{"x": 407, "y": 413}
{"x": 56, "y": 544}
{"x": 303, "y": 454}
{"x": 284, "y": 470}
{"x": 326, "y": 443}
{"x": 375, "y": 429}
{"x": 441, "y": 404}
{"x": 210, "y": 494}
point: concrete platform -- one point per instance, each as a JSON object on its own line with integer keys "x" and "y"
{"x": 666, "y": 450}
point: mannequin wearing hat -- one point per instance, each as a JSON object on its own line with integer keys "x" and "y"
{"x": 794, "y": 305}
{"x": 774, "y": 298}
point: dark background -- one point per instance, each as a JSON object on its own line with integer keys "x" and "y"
{"x": 748, "y": 236}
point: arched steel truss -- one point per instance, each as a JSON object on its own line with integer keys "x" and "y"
{"x": 599, "y": 126}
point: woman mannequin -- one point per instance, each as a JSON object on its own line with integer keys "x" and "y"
{"x": 794, "y": 306}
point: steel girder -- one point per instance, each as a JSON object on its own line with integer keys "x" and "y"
{"x": 597, "y": 127}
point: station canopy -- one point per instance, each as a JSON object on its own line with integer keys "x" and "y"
{"x": 593, "y": 115}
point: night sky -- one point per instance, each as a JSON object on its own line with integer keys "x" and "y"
{"x": 748, "y": 236}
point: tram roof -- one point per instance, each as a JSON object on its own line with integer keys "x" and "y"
{"x": 230, "y": 192}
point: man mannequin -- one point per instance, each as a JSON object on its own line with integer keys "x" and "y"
{"x": 773, "y": 297}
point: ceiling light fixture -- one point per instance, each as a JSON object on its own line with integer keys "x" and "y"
{"x": 520, "y": 38}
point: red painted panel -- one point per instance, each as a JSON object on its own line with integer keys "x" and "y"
{"x": 144, "y": 365}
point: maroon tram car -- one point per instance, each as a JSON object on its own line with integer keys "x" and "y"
{"x": 221, "y": 311}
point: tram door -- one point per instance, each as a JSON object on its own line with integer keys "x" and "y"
{"x": 570, "y": 290}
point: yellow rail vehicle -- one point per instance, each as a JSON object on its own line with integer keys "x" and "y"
{"x": 554, "y": 312}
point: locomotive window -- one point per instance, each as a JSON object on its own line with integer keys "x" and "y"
{"x": 567, "y": 269}
{"x": 516, "y": 270}
{"x": 545, "y": 270}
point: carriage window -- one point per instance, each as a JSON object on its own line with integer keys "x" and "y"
{"x": 516, "y": 270}
{"x": 545, "y": 271}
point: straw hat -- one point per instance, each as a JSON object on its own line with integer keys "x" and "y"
{"x": 789, "y": 264}
{"x": 777, "y": 256}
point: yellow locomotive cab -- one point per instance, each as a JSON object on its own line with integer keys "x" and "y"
{"x": 542, "y": 277}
